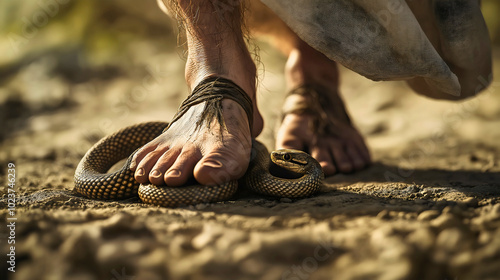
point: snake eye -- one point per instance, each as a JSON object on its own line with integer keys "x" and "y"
{"x": 287, "y": 157}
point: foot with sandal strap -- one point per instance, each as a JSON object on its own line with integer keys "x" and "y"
{"x": 210, "y": 138}
{"x": 314, "y": 118}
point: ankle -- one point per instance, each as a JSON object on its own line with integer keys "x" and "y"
{"x": 242, "y": 73}
{"x": 308, "y": 66}
{"x": 244, "y": 77}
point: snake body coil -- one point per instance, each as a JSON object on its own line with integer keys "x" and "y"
{"x": 289, "y": 173}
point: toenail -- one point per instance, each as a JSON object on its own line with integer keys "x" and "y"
{"x": 213, "y": 163}
{"x": 155, "y": 174}
{"x": 140, "y": 172}
{"x": 174, "y": 173}
{"x": 132, "y": 165}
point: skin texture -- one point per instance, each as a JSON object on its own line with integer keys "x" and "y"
{"x": 216, "y": 47}
{"x": 345, "y": 151}
{"x": 183, "y": 151}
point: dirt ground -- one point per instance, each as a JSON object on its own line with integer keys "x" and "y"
{"x": 428, "y": 208}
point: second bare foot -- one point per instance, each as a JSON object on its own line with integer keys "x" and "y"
{"x": 316, "y": 119}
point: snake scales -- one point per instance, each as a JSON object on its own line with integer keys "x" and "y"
{"x": 284, "y": 173}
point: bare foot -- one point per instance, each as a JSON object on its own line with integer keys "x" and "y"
{"x": 212, "y": 155}
{"x": 315, "y": 118}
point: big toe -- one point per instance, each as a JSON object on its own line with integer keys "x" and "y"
{"x": 324, "y": 159}
{"x": 221, "y": 166}
{"x": 182, "y": 169}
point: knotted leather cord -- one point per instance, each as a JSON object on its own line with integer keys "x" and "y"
{"x": 318, "y": 104}
{"x": 212, "y": 91}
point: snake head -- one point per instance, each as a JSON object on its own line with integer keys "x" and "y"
{"x": 294, "y": 161}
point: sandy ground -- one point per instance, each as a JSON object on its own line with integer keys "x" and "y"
{"x": 428, "y": 208}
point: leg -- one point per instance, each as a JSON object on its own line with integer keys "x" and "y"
{"x": 340, "y": 148}
{"x": 458, "y": 32}
{"x": 216, "y": 47}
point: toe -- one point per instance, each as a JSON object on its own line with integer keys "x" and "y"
{"x": 355, "y": 157}
{"x": 221, "y": 166}
{"x": 157, "y": 174}
{"x": 291, "y": 133}
{"x": 363, "y": 151}
{"x": 182, "y": 168}
{"x": 322, "y": 155}
{"x": 140, "y": 154}
{"x": 144, "y": 167}
{"x": 340, "y": 157}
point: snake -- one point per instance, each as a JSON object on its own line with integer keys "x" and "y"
{"x": 284, "y": 173}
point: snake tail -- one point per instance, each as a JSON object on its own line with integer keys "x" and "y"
{"x": 91, "y": 177}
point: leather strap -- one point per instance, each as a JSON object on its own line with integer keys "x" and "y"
{"x": 212, "y": 91}
{"x": 325, "y": 108}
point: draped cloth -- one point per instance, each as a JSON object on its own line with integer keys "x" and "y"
{"x": 379, "y": 39}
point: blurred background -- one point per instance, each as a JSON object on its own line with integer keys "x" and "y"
{"x": 99, "y": 34}
{"x": 66, "y": 63}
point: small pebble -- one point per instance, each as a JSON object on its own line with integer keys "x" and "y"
{"x": 422, "y": 237}
{"x": 469, "y": 202}
{"x": 208, "y": 235}
{"x": 77, "y": 247}
{"x": 496, "y": 209}
{"x": 445, "y": 220}
{"x": 428, "y": 215}
{"x": 285, "y": 200}
{"x": 450, "y": 239}
{"x": 273, "y": 221}
{"x": 200, "y": 206}
{"x": 384, "y": 214}
{"x": 122, "y": 219}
